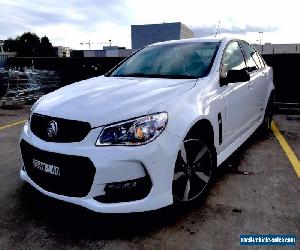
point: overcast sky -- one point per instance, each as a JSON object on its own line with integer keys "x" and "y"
{"x": 71, "y": 22}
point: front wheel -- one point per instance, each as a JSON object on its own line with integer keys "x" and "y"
{"x": 193, "y": 171}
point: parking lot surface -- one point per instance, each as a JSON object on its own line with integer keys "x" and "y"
{"x": 256, "y": 191}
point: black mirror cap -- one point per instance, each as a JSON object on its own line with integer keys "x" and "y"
{"x": 235, "y": 76}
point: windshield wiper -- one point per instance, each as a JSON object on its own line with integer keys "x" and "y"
{"x": 180, "y": 76}
{"x": 156, "y": 76}
{"x": 132, "y": 75}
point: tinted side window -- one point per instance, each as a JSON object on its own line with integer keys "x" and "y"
{"x": 257, "y": 60}
{"x": 233, "y": 57}
{"x": 262, "y": 62}
{"x": 252, "y": 60}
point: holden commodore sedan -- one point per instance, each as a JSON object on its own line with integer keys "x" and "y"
{"x": 150, "y": 132}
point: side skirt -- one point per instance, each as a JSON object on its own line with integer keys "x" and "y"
{"x": 222, "y": 156}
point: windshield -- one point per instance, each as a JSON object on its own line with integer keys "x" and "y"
{"x": 177, "y": 60}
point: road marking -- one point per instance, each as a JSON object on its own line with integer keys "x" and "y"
{"x": 13, "y": 124}
{"x": 287, "y": 149}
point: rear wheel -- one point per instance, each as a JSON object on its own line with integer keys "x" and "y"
{"x": 193, "y": 171}
{"x": 265, "y": 127}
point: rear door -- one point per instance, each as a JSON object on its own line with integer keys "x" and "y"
{"x": 259, "y": 85}
{"x": 237, "y": 96}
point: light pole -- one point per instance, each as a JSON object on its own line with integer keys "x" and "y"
{"x": 260, "y": 36}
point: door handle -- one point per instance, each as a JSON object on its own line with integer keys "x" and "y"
{"x": 266, "y": 74}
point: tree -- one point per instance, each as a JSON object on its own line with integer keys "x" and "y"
{"x": 46, "y": 48}
{"x": 29, "y": 44}
{"x": 10, "y": 45}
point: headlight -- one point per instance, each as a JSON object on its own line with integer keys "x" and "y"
{"x": 133, "y": 132}
{"x": 33, "y": 108}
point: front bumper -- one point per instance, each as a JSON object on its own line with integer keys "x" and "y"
{"x": 117, "y": 164}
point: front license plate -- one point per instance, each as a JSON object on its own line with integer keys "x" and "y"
{"x": 47, "y": 168}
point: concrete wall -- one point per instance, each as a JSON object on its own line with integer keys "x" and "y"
{"x": 286, "y": 76}
{"x": 89, "y": 53}
{"x": 269, "y": 49}
{"x": 108, "y": 53}
{"x": 125, "y": 52}
{"x": 112, "y": 53}
{"x": 285, "y": 66}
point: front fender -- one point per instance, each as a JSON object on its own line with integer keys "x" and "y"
{"x": 203, "y": 102}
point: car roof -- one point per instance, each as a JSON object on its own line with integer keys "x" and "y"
{"x": 193, "y": 40}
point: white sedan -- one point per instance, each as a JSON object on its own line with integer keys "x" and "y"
{"x": 150, "y": 132}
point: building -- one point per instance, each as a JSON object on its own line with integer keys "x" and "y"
{"x": 62, "y": 51}
{"x": 142, "y": 35}
{"x": 270, "y": 48}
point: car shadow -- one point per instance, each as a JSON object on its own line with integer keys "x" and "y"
{"x": 232, "y": 164}
{"x": 68, "y": 222}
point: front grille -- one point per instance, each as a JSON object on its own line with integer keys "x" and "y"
{"x": 67, "y": 130}
{"x": 76, "y": 172}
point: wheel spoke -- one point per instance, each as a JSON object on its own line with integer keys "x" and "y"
{"x": 183, "y": 153}
{"x": 202, "y": 176}
{"x": 200, "y": 154}
{"x": 187, "y": 190}
{"x": 178, "y": 175}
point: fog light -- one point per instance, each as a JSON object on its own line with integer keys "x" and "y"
{"x": 125, "y": 191}
{"x": 120, "y": 186}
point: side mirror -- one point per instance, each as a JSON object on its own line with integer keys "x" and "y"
{"x": 234, "y": 76}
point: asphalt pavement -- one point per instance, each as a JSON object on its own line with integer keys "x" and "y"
{"x": 256, "y": 192}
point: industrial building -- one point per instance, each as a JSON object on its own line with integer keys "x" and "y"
{"x": 62, "y": 51}
{"x": 142, "y": 35}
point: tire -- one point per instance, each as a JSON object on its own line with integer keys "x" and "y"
{"x": 265, "y": 127}
{"x": 194, "y": 171}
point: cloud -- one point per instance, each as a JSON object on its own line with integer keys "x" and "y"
{"x": 73, "y": 21}
{"x": 85, "y": 15}
{"x": 205, "y": 31}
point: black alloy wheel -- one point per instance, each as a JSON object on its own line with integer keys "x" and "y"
{"x": 193, "y": 170}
